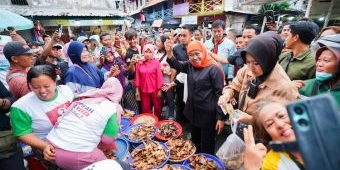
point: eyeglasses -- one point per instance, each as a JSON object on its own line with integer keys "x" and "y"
{"x": 192, "y": 55}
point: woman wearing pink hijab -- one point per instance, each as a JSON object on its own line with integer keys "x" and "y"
{"x": 149, "y": 81}
{"x": 91, "y": 119}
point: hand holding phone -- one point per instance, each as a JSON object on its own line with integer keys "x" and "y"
{"x": 60, "y": 30}
{"x": 316, "y": 123}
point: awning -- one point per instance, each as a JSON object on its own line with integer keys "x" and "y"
{"x": 14, "y": 20}
{"x": 157, "y": 23}
{"x": 66, "y": 22}
{"x": 152, "y": 3}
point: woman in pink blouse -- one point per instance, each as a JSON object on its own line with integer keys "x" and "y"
{"x": 149, "y": 81}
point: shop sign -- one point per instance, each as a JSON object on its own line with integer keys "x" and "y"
{"x": 181, "y": 9}
{"x": 189, "y": 20}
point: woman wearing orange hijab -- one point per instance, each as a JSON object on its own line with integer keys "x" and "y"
{"x": 205, "y": 84}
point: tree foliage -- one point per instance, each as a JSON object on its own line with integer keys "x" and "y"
{"x": 277, "y": 7}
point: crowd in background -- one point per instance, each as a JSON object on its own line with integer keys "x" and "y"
{"x": 178, "y": 74}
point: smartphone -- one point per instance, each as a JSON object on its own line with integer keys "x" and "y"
{"x": 138, "y": 56}
{"x": 60, "y": 30}
{"x": 10, "y": 29}
{"x": 316, "y": 124}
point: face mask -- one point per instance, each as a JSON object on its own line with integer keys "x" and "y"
{"x": 323, "y": 76}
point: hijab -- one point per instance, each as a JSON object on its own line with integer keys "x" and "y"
{"x": 151, "y": 48}
{"x": 206, "y": 60}
{"x": 266, "y": 49}
{"x": 118, "y": 61}
{"x": 107, "y": 65}
{"x": 111, "y": 90}
{"x": 74, "y": 52}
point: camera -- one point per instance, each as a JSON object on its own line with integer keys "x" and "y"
{"x": 270, "y": 16}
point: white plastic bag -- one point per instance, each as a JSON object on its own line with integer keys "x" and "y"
{"x": 231, "y": 151}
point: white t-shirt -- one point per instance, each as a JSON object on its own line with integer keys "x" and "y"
{"x": 164, "y": 65}
{"x": 4, "y": 64}
{"x": 30, "y": 114}
{"x": 80, "y": 129}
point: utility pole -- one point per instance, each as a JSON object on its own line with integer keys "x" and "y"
{"x": 329, "y": 13}
{"x": 309, "y": 7}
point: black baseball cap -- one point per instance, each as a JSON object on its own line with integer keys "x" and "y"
{"x": 16, "y": 48}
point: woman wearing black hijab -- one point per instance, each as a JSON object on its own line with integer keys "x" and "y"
{"x": 261, "y": 77}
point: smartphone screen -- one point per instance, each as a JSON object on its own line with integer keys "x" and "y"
{"x": 60, "y": 30}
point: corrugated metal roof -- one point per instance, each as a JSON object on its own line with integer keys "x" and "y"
{"x": 34, "y": 11}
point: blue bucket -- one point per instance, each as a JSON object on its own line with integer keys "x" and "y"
{"x": 217, "y": 161}
{"x": 122, "y": 148}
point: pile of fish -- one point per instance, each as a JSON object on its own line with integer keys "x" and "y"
{"x": 200, "y": 162}
{"x": 180, "y": 149}
{"x": 151, "y": 155}
{"x": 128, "y": 113}
{"x": 141, "y": 133}
{"x": 168, "y": 130}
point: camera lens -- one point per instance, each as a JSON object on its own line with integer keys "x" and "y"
{"x": 303, "y": 122}
{"x": 298, "y": 110}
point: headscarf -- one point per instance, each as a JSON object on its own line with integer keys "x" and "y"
{"x": 336, "y": 52}
{"x": 111, "y": 90}
{"x": 107, "y": 65}
{"x": 266, "y": 49}
{"x": 74, "y": 52}
{"x": 151, "y": 48}
{"x": 67, "y": 58}
{"x": 206, "y": 60}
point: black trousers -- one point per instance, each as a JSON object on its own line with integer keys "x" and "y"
{"x": 180, "y": 104}
{"x": 204, "y": 139}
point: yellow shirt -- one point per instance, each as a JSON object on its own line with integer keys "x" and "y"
{"x": 278, "y": 161}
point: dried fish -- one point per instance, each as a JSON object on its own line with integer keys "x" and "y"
{"x": 151, "y": 155}
{"x": 199, "y": 162}
{"x": 145, "y": 119}
{"x": 141, "y": 133}
{"x": 180, "y": 149}
{"x": 128, "y": 113}
{"x": 234, "y": 162}
{"x": 168, "y": 130}
{"x": 109, "y": 154}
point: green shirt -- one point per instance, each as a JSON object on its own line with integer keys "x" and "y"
{"x": 319, "y": 88}
{"x": 301, "y": 67}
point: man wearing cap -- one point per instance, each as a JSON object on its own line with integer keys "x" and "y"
{"x": 83, "y": 40}
{"x": 20, "y": 57}
{"x": 52, "y": 55}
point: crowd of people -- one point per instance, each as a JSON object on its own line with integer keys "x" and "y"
{"x": 65, "y": 98}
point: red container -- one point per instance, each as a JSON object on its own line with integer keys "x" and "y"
{"x": 147, "y": 118}
{"x": 160, "y": 137}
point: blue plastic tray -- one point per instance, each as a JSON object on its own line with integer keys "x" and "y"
{"x": 217, "y": 161}
{"x": 130, "y": 159}
{"x": 122, "y": 148}
{"x": 129, "y": 129}
{"x": 183, "y": 167}
{"x": 125, "y": 123}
